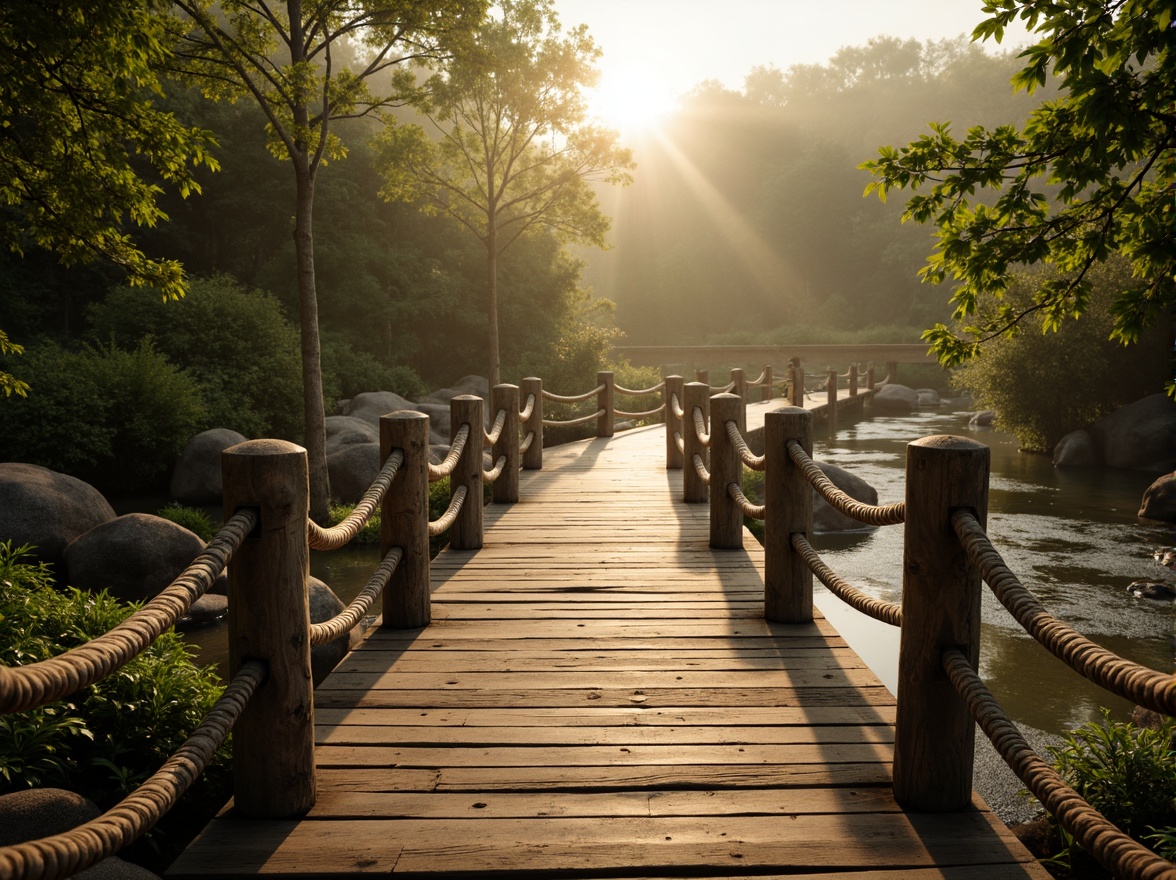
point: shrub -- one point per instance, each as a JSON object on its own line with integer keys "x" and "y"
{"x": 192, "y": 518}
{"x": 116, "y": 418}
{"x": 104, "y": 740}
{"x": 348, "y": 372}
{"x": 369, "y": 534}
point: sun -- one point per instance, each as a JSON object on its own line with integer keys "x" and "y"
{"x": 633, "y": 100}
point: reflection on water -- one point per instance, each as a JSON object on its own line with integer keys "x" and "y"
{"x": 1072, "y": 537}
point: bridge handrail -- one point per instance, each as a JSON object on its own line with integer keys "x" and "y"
{"x": 886, "y": 612}
{"x": 637, "y": 392}
{"x": 647, "y": 414}
{"x": 489, "y": 438}
{"x": 340, "y": 534}
{"x": 342, "y": 623}
{"x": 456, "y": 447}
{"x": 582, "y": 420}
{"x": 870, "y": 514}
{"x": 443, "y": 522}
{"x": 572, "y": 398}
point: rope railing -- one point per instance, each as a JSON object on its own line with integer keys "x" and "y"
{"x": 525, "y": 412}
{"x": 583, "y": 420}
{"x": 342, "y": 623}
{"x": 445, "y": 468}
{"x": 700, "y": 431}
{"x": 572, "y": 398}
{"x": 1119, "y": 854}
{"x": 1131, "y": 681}
{"x": 679, "y": 442}
{"x": 649, "y": 413}
{"x": 489, "y": 438}
{"x": 753, "y": 511}
{"x": 35, "y": 684}
{"x": 700, "y": 469}
{"x": 68, "y": 853}
{"x": 526, "y": 442}
{"x": 345, "y": 530}
{"x": 750, "y": 460}
{"x": 887, "y": 612}
{"x": 676, "y": 407}
{"x": 634, "y": 392}
{"x": 870, "y": 514}
{"x": 495, "y": 472}
{"x": 442, "y": 523}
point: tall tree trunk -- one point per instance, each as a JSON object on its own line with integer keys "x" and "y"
{"x": 314, "y": 416}
{"x": 492, "y": 296}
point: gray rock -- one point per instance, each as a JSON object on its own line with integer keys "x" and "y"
{"x": 476, "y": 385}
{"x": 928, "y": 397}
{"x": 895, "y": 399}
{"x": 352, "y": 469}
{"x": 209, "y": 609}
{"x": 983, "y": 419}
{"x": 1139, "y": 436}
{"x": 439, "y": 422}
{"x": 324, "y": 605}
{"x": 828, "y": 519}
{"x": 347, "y": 431}
{"x": 1159, "y": 499}
{"x": 196, "y": 478}
{"x": 370, "y": 405}
{"x": 136, "y": 556}
{"x": 1076, "y": 449}
{"x": 47, "y": 510}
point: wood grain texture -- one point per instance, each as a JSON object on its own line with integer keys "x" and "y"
{"x": 598, "y": 695}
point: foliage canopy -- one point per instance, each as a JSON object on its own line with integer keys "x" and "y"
{"x": 1090, "y": 174}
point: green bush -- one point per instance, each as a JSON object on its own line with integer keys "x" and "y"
{"x": 1042, "y": 385}
{"x": 369, "y": 534}
{"x": 348, "y": 372}
{"x": 116, "y": 418}
{"x": 105, "y": 739}
{"x": 192, "y": 518}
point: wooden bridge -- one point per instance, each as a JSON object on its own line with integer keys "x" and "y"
{"x": 599, "y": 695}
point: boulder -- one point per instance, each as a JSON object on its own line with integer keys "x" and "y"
{"x": 985, "y": 418}
{"x": 370, "y": 405}
{"x": 439, "y": 422}
{"x": 1076, "y": 449}
{"x": 136, "y": 556}
{"x": 324, "y": 605}
{"x": 197, "y": 475}
{"x": 928, "y": 397}
{"x": 1139, "y": 436}
{"x": 40, "y": 812}
{"x": 352, "y": 470}
{"x": 347, "y": 431}
{"x": 895, "y": 399}
{"x": 1159, "y": 502}
{"x": 828, "y": 519}
{"x": 476, "y": 385}
{"x": 47, "y": 510}
{"x": 205, "y": 611}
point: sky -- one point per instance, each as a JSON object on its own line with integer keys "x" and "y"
{"x": 662, "y": 48}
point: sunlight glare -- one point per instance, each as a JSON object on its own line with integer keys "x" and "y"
{"x": 632, "y": 100}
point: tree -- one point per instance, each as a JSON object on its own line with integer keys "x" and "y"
{"x": 294, "y": 61}
{"x": 514, "y": 151}
{"x": 1090, "y": 174}
{"x": 83, "y": 148}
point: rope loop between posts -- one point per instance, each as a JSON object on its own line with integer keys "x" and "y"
{"x": 346, "y": 620}
{"x": 870, "y": 514}
{"x": 528, "y": 408}
{"x": 342, "y": 532}
{"x": 572, "y": 398}
{"x": 760, "y": 379}
{"x": 723, "y": 389}
{"x": 446, "y": 519}
{"x": 700, "y": 427}
{"x": 754, "y": 511}
{"x": 1114, "y": 850}
{"x": 700, "y": 468}
{"x": 490, "y": 437}
{"x": 69, "y": 853}
{"x": 679, "y": 442}
{"x": 750, "y": 459}
{"x": 649, "y": 413}
{"x": 495, "y": 472}
{"x": 440, "y": 471}
{"x": 33, "y": 685}
{"x": 634, "y": 392}
{"x": 526, "y": 442}
{"x": 887, "y": 612}
{"x": 1147, "y": 687}
{"x": 583, "y": 420}
{"x": 676, "y": 407}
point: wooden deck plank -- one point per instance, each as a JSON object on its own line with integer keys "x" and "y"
{"x": 599, "y": 696}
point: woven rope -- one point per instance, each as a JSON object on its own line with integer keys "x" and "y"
{"x": 749, "y": 458}
{"x": 495, "y": 472}
{"x": 1113, "y": 849}
{"x": 343, "y": 622}
{"x": 526, "y": 442}
{"x": 525, "y": 412}
{"x": 700, "y": 469}
{"x": 887, "y": 612}
{"x": 342, "y": 532}
{"x": 755, "y": 511}
{"x": 760, "y": 379}
{"x": 491, "y": 437}
{"x": 676, "y": 407}
{"x": 66, "y": 854}
{"x": 440, "y": 471}
{"x": 700, "y": 427}
{"x": 634, "y": 392}
{"x": 722, "y": 389}
{"x": 871, "y": 515}
{"x": 1144, "y": 686}
{"x": 679, "y": 442}
{"x": 446, "y": 519}
{"x": 573, "y": 398}
{"x": 621, "y": 414}
{"x": 583, "y": 420}
{"x": 26, "y": 687}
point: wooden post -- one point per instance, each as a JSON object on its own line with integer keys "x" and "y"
{"x": 892, "y": 373}
{"x": 269, "y": 620}
{"x": 466, "y": 531}
{"x": 505, "y": 490}
{"x": 796, "y": 378}
{"x": 933, "y": 741}
{"x": 788, "y": 497}
{"x": 739, "y": 380}
{"x": 404, "y": 520}
{"x": 768, "y": 391}
{"x": 870, "y": 382}
{"x": 673, "y": 388}
{"x": 853, "y": 380}
{"x": 605, "y": 398}
{"x": 726, "y": 519}
{"x": 533, "y": 457}
{"x": 697, "y": 394}
{"x": 831, "y": 399}
{"x": 702, "y": 376}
